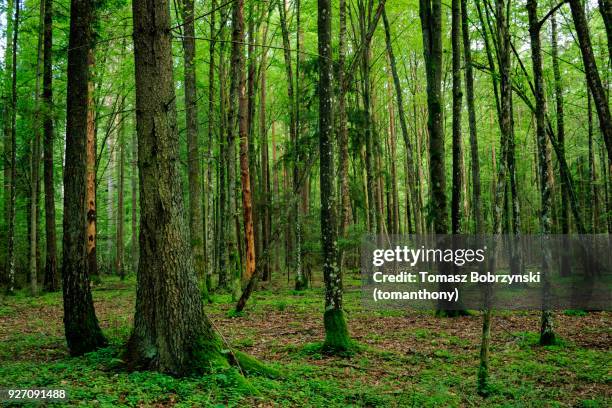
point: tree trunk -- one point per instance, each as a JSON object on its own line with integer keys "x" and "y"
{"x": 547, "y": 335}
{"x": 35, "y": 163}
{"x": 12, "y": 193}
{"x": 412, "y": 188}
{"x": 336, "y": 331}
{"x": 194, "y": 170}
{"x": 208, "y": 183}
{"x": 343, "y": 139}
{"x": 457, "y": 107}
{"x": 134, "y": 250}
{"x": 83, "y": 333}
{"x": 119, "y": 267}
{"x": 592, "y": 75}
{"x": 477, "y": 209}
{"x": 92, "y": 263}
{"x": 7, "y": 145}
{"x": 564, "y": 215}
{"x": 605, "y": 8}
{"x": 243, "y": 130}
{"x": 171, "y": 332}
{"x": 51, "y": 282}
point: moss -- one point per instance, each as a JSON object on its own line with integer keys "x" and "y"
{"x": 336, "y": 332}
{"x": 207, "y": 356}
{"x": 250, "y": 365}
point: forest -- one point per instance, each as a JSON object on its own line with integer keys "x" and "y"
{"x": 187, "y": 186}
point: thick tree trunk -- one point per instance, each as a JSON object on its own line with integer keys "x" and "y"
{"x": 83, "y": 333}
{"x": 592, "y": 74}
{"x": 336, "y": 331}
{"x": 194, "y": 168}
{"x": 51, "y": 281}
{"x": 547, "y": 335}
{"x": 171, "y": 332}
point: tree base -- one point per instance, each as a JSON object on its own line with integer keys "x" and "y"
{"x": 453, "y": 313}
{"x": 548, "y": 338}
{"x": 301, "y": 283}
{"x": 337, "y": 338}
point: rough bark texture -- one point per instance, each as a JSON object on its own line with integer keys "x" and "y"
{"x": 51, "y": 281}
{"x": 605, "y": 8}
{"x": 431, "y": 23}
{"x": 134, "y": 186}
{"x": 171, "y": 332}
{"x": 547, "y": 334}
{"x": 336, "y": 332}
{"x": 83, "y": 333}
{"x": 194, "y": 168}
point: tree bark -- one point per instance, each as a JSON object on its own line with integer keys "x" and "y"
{"x": 83, "y": 333}
{"x": 547, "y": 334}
{"x": 119, "y": 267}
{"x": 194, "y": 168}
{"x": 477, "y": 210}
{"x": 457, "y": 107}
{"x": 92, "y": 263}
{"x": 7, "y": 145}
{"x": 51, "y": 281}
{"x": 12, "y": 193}
{"x": 171, "y": 331}
{"x": 336, "y": 331}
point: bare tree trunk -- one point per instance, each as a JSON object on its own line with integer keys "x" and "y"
{"x": 547, "y": 334}
{"x": 564, "y": 215}
{"x": 172, "y": 333}
{"x": 134, "y": 247}
{"x": 120, "y": 189}
{"x": 477, "y": 209}
{"x": 92, "y": 263}
{"x": 12, "y": 193}
{"x": 83, "y": 333}
{"x": 457, "y": 107}
{"x": 51, "y": 282}
{"x": 35, "y": 163}
{"x": 194, "y": 171}
{"x": 345, "y": 197}
{"x": 336, "y": 331}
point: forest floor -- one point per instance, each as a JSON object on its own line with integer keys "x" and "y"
{"x": 405, "y": 358}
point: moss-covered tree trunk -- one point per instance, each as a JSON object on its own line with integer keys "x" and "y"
{"x": 336, "y": 331}
{"x": 83, "y": 333}
{"x": 171, "y": 332}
